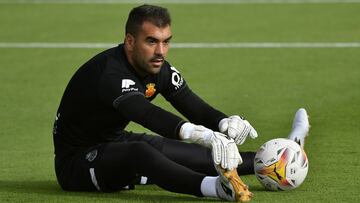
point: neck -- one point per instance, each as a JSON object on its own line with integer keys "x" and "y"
{"x": 128, "y": 54}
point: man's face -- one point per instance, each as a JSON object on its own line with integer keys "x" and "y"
{"x": 147, "y": 50}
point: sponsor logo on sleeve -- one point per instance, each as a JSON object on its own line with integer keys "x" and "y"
{"x": 126, "y": 86}
{"x": 150, "y": 90}
{"x": 90, "y": 156}
{"x": 176, "y": 78}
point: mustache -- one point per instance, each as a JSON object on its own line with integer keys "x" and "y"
{"x": 154, "y": 58}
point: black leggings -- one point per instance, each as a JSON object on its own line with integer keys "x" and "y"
{"x": 173, "y": 165}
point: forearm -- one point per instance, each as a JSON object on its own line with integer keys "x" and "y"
{"x": 197, "y": 110}
{"x": 136, "y": 108}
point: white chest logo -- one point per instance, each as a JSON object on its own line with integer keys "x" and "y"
{"x": 126, "y": 83}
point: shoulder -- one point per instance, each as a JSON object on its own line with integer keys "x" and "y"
{"x": 116, "y": 62}
{"x": 117, "y": 70}
{"x": 171, "y": 79}
{"x": 168, "y": 69}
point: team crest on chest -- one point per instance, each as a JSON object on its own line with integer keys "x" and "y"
{"x": 150, "y": 90}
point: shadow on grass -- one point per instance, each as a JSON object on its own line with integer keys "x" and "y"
{"x": 258, "y": 188}
{"x": 140, "y": 194}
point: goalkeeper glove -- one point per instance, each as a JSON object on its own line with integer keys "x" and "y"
{"x": 237, "y": 129}
{"x": 224, "y": 151}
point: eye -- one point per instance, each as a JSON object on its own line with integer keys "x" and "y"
{"x": 151, "y": 41}
{"x": 166, "y": 42}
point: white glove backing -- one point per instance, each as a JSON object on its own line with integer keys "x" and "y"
{"x": 237, "y": 129}
{"x": 224, "y": 150}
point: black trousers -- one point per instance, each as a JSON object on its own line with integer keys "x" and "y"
{"x": 172, "y": 165}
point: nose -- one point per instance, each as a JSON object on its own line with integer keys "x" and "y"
{"x": 160, "y": 49}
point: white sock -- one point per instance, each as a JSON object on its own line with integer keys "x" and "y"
{"x": 143, "y": 180}
{"x": 208, "y": 186}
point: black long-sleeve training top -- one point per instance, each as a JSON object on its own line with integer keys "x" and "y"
{"x": 106, "y": 93}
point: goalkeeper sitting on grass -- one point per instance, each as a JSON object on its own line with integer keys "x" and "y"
{"x": 94, "y": 152}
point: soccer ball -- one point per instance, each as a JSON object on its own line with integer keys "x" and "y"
{"x": 281, "y": 164}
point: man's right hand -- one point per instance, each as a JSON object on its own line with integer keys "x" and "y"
{"x": 225, "y": 152}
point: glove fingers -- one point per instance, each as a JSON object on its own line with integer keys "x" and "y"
{"x": 235, "y": 117}
{"x": 240, "y": 161}
{"x": 241, "y": 137}
{"x": 232, "y": 128}
{"x": 224, "y": 126}
{"x": 232, "y": 158}
{"x": 253, "y": 134}
{"x": 235, "y": 158}
{"x": 238, "y": 129}
{"x": 224, "y": 161}
{"x": 232, "y": 132}
{"x": 216, "y": 153}
{"x": 235, "y": 130}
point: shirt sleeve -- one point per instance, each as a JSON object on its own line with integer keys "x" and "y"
{"x": 138, "y": 109}
{"x": 171, "y": 81}
{"x": 184, "y": 100}
{"x": 124, "y": 92}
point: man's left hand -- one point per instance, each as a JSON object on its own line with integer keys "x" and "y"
{"x": 237, "y": 129}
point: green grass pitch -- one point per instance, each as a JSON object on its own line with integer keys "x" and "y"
{"x": 266, "y": 85}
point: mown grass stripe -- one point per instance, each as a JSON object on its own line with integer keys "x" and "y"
{"x": 239, "y": 45}
{"x": 176, "y": 1}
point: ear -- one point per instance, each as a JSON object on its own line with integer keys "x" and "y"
{"x": 129, "y": 41}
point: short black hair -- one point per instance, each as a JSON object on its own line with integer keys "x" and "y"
{"x": 156, "y": 15}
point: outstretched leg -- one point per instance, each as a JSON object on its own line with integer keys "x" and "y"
{"x": 121, "y": 162}
{"x": 193, "y": 156}
{"x": 199, "y": 158}
{"x": 111, "y": 166}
